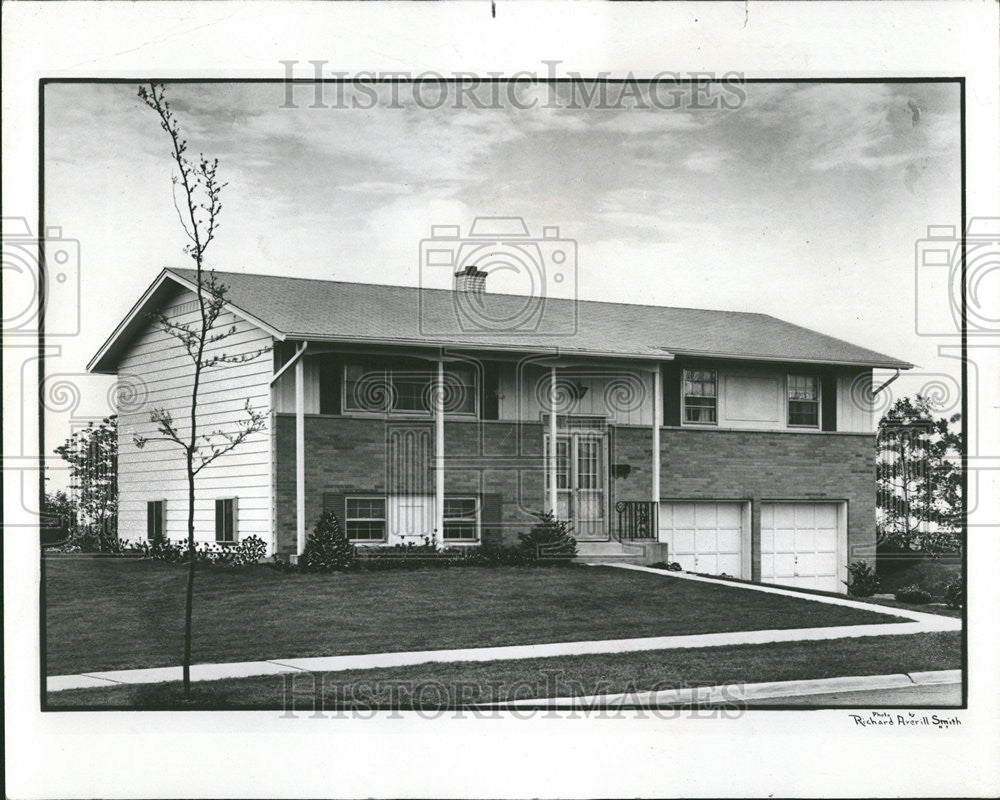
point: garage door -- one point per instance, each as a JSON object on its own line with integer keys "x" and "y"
{"x": 799, "y": 545}
{"x": 705, "y": 537}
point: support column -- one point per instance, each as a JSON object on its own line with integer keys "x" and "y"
{"x": 657, "y": 419}
{"x": 553, "y": 442}
{"x": 300, "y": 458}
{"x": 439, "y": 454}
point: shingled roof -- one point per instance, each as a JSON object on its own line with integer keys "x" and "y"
{"x": 337, "y": 311}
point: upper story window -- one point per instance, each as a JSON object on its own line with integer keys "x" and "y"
{"x": 803, "y": 401}
{"x": 701, "y": 396}
{"x": 408, "y": 387}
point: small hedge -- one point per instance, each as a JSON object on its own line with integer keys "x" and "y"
{"x": 913, "y": 594}
{"x": 327, "y": 548}
{"x": 548, "y": 543}
{"x": 241, "y": 554}
{"x": 954, "y": 595}
{"x": 862, "y": 580}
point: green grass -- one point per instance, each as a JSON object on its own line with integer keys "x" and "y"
{"x": 117, "y": 614}
{"x": 451, "y": 685}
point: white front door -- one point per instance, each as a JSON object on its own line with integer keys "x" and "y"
{"x": 800, "y": 545}
{"x": 580, "y": 481}
{"x": 706, "y": 537}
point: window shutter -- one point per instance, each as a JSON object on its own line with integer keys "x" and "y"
{"x": 234, "y": 519}
{"x": 150, "y": 520}
{"x": 490, "y": 404}
{"x": 671, "y": 394}
{"x": 162, "y": 519}
{"x": 828, "y": 390}
{"x": 492, "y": 518}
{"x": 220, "y": 520}
{"x": 334, "y": 501}
{"x": 330, "y": 373}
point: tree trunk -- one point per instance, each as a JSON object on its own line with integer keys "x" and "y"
{"x": 189, "y": 599}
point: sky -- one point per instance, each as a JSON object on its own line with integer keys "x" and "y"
{"x": 804, "y": 201}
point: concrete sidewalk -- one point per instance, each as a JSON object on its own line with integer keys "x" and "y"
{"x": 741, "y": 693}
{"x": 919, "y": 622}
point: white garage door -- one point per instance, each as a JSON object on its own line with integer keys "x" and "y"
{"x": 705, "y": 537}
{"x": 799, "y": 545}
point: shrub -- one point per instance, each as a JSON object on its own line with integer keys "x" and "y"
{"x": 251, "y": 550}
{"x": 954, "y": 594}
{"x": 862, "y": 580}
{"x": 548, "y": 542}
{"x": 913, "y": 594}
{"x": 327, "y": 548}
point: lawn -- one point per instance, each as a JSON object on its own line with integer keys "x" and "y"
{"x": 103, "y": 614}
{"x": 428, "y": 686}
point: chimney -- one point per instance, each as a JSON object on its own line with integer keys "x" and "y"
{"x": 471, "y": 279}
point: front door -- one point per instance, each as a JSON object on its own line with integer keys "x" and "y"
{"x": 581, "y": 477}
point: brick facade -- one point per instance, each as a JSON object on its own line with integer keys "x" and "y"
{"x": 756, "y": 466}
{"x": 356, "y": 455}
{"x": 505, "y": 460}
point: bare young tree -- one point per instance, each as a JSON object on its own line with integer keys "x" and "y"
{"x": 198, "y": 209}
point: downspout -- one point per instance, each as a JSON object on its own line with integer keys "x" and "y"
{"x": 884, "y": 385}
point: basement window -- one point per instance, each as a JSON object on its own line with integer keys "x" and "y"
{"x": 365, "y": 519}
{"x": 461, "y": 519}
{"x": 225, "y": 520}
{"x": 700, "y": 396}
{"x": 154, "y": 519}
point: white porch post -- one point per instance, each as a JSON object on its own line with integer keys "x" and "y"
{"x": 657, "y": 418}
{"x": 439, "y": 453}
{"x": 553, "y": 429}
{"x": 300, "y": 457}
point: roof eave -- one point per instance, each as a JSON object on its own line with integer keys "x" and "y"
{"x": 494, "y": 348}
{"x": 887, "y": 363}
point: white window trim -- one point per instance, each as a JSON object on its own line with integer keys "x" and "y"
{"x": 345, "y": 410}
{"x": 818, "y": 401}
{"x": 478, "y": 524}
{"x": 683, "y": 399}
{"x": 236, "y": 521}
{"x": 384, "y": 519}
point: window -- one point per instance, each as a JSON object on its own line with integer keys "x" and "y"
{"x": 803, "y": 401}
{"x": 408, "y": 386}
{"x": 461, "y": 519}
{"x": 365, "y": 519}
{"x": 700, "y": 396}
{"x": 225, "y": 520}
{"x": 154, "y": 519}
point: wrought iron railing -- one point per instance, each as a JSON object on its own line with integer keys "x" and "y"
{"x": 637, "y": 519}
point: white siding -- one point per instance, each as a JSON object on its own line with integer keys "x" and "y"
{"x": 855, "y": 406}
{"x": 157, "y": 471}
{"x": 284, "y": 388}
{"x": 622, "y": 394}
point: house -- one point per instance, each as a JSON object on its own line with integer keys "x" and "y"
{"x": 741, "y": 441}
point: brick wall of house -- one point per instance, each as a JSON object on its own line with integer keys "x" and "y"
{"x": 349, "y": 455}
{"x": 757, "y": 466}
